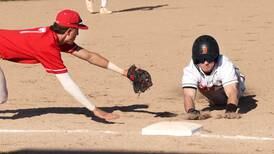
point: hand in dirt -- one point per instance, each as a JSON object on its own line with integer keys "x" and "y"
{"x": 198, "y": 116}
{"x": 229, "y": 115}
{"x": 232, "y": 115}
{"x": 104, "y": 115}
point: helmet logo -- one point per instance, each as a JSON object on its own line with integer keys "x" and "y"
{"x": 204, "y": 49}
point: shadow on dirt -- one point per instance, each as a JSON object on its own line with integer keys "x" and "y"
{"x": 142, "y": 8}
{"x": 246, "y": 104}
{"x": 32, "y": 112}
{"x": 137, "y": 108}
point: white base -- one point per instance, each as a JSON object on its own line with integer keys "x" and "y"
{"x": 172, "y": 128}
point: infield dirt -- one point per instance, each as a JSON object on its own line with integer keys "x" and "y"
{"x": 156, "y": 35}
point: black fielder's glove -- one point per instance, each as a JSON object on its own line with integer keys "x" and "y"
{"x": 141, "y": 79}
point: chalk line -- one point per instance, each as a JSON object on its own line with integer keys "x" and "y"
{"x": 235, "y": 137}
{"x": 54, "y": 131}
{"x": 216, "y": 136}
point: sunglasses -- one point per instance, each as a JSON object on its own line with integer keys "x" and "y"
{"x": 204, "y": 57}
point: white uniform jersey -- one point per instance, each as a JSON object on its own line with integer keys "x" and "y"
{"x": 224, "y": 73}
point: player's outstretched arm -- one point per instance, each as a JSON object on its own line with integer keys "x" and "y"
{"x": 232, "y": 94}
{"x": 75, "y": 91}
{"x": 98, "y": 60}
{"x": 192, "y": 113}
{"x": 189, "y": 96}
{"x": 141, "y": 78}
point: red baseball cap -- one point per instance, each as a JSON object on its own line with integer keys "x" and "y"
{"x": 70, "y": 18}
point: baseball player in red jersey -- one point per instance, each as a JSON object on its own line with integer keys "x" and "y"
{"x": 44, "y": 45}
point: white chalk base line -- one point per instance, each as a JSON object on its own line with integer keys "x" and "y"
{"x": 234, "y": 137}
{"x": 55, "y": 131}
{"x": 216, "y": 136}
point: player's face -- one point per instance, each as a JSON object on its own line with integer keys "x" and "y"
{"x": 206, "y": 66}
{"x": 71, "y": 35}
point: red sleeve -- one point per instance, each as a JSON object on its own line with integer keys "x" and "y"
{"x": 52, "y": 61}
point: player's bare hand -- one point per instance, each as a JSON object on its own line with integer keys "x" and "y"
{"x": 197, "y": 115}
{"x": 105, "y": 115}
{"x": 230, "y": 112}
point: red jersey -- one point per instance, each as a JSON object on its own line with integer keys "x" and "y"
{"x": 36, "y": 45}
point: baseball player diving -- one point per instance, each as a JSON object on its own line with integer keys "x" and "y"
{"x": 215, "y": 76}
{"x": 45, "y": 44}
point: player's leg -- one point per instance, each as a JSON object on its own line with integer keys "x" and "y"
{"x": 104, "y": 3}
{"x": 241, "y": 85}
{"x": 89, "y": 4}
{"x": 3, "y": 87}
{"x": 103, "y": 9}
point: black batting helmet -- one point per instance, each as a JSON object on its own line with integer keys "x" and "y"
{"x": 205, "y": 48}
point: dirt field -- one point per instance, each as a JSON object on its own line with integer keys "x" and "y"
{"x": 153, "y": 34}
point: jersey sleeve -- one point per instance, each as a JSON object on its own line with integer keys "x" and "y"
{"x": 52, "y": 61}
{"x": 229, "y": 75}
{"x": 189, "y": 78}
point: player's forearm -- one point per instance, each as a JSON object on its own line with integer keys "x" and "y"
{"x": 116, "y": 68}
{"x": 103, "y": 62}
{"x": 188, "y": 103}
{"x": 189, "y": 96}
{"x": 232, "y": 94}
{"x": 74, "y": 90}
{"x": 233, "y": 99}
{"x": 98, "y": 60}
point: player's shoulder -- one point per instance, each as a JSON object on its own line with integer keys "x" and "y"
{"x": 191, "y": 68}
{"x": 224, "y": 61}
